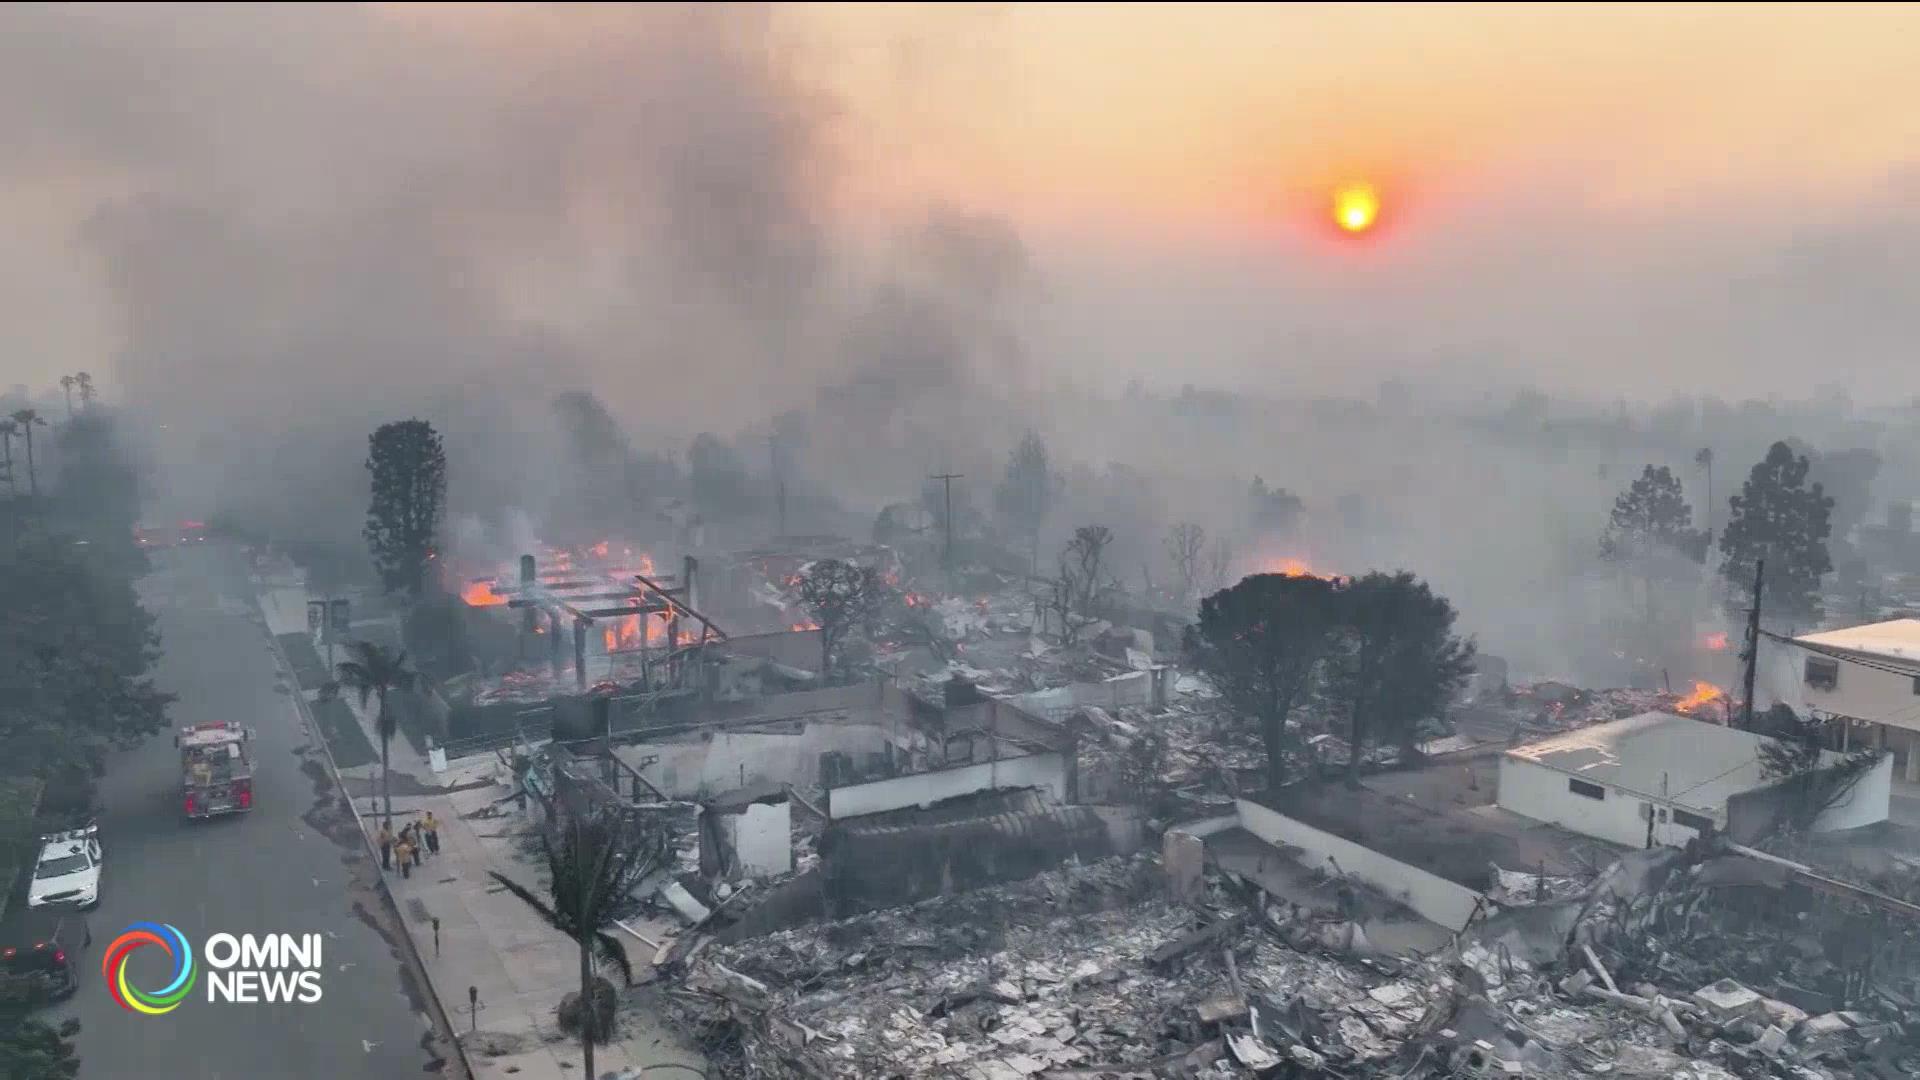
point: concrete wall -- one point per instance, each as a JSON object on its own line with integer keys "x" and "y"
{"x": 706, "y": 763}
{"x": 1047, "y": 771}
{"x": 1003, "y": 718}
{"x": 794, "y": 648}
{"x": 1134, "y": 688}
{"x": 1868, "y": 803}
{"x": 761, "y": 839}
{"x": 1535, "y": 791}
{"x": 1436, "y": 899}
{"x": 1751, "y": 814}
{"x": 797, "y": 900}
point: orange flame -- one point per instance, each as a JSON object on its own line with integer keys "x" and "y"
{"x": 599, "y": 550}
{"x": 1704, "y": 694}
{"x": 1288, "y": 568}
{"x": 481, "y": 594}
{"x": 800, "y": 626}
{"x": 1715, "y": 642}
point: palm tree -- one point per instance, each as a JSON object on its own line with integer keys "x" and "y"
{"x": 26, "y": 418}
{"x": 66, "y": 384}
{"x": 8, "y": 429}
{"x": 594, "y": 861}
{"x": 85, "y": 382}
{"x": 375, "y": 673}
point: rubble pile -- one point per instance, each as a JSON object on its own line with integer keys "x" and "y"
{"x": 1071, "y": 971}
{"x": 1661, "y": 967}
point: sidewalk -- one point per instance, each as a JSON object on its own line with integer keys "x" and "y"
{"x": 491, "y": 941}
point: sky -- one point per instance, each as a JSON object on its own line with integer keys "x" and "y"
{"x": 1601, "y": 200}
{"x": 927, "y": 228}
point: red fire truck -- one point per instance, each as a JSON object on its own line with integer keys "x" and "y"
{"x": 216, "y": 768}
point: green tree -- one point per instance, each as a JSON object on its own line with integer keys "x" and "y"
{"x": 1026, "y": 492}
{"x": 36, "y": 1050}
{"x": 594, "y": 860}
{"x": 1262, "y": 643}
{"x": 1650, "y": 536}
{"x": 377, "y": 674}
{"x": 1398, "y": 662}
{"x": 409, "y": 474}
{"x": 96, "y": 494}
{"x": 1781, "y": 518}
{"x": 76, "y": 654}
{"x": 840, "y": 596}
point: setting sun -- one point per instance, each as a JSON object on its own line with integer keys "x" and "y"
{"x": 1356, "y": 207}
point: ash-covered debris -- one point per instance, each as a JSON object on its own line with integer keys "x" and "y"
{"x": 1663, "y": 966}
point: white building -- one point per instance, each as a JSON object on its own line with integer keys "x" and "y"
{"x": 1870, "y": 676}
{"x": 1686, "y": 776}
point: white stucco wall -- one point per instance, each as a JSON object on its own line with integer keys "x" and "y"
{"x": 1435, "y": 898}
{"x": 1866, "y": 804}
{"x": 1540, "y": 793}
{"x": 1864, "y": 694}
{"x": 697, "y": 766}
{"x": 1047, "y": 771}
{"x": 762, "y": 838}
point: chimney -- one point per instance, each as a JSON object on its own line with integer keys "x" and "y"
{"x": 527, "y": 579}
{"x": 689, "y": 581}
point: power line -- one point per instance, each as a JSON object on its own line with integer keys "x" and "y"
{"x": 948, "y": 479}
{"x": 1844, "y": 657}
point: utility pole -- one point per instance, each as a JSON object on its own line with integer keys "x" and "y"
{"x": 1704, "y": 459}
{"x": 779, "y": 478}
{"x": 947, "y": 479}
{"x": 1753, "y": 646}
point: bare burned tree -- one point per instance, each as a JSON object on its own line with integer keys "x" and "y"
{"x": 1079, "y": 592}
{"x": 1186, "y": 543}
{"x": 840, "y": 596}
{"x": 1213, "y": 575}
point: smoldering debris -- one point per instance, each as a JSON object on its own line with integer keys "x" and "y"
{"x": 1650, "y": 970}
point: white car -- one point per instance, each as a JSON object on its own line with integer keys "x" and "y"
{"x": 68, "y": 871}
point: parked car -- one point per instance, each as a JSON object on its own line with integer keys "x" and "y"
{"x": 67, "y": 874}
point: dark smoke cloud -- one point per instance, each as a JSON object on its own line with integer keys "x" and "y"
{"x": 311, "y": 219}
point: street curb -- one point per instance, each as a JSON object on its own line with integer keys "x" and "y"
{"x": 333, "y": 770}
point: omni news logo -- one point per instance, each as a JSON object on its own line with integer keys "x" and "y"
{"x": 250, "y": 969}
{"x": 133, "y": 999}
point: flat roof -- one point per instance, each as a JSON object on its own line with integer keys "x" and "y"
{"x": 1672, "y": 758}
{"x": 1895, "y": 639}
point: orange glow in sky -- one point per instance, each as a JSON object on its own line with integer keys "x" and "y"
{"x": 1356, "y": 207}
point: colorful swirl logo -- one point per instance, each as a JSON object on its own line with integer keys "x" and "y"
{"x": 113, "y": 967}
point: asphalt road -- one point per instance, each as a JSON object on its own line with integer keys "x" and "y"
{"x": 292, "y": 865}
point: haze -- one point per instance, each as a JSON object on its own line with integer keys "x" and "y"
{"x": 270, "y": 229}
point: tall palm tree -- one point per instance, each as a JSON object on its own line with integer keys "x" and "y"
{"x": 374, "y": 672}
{"x": 8, "y": 429}
{"x": 26, "y": 418}
{"x": 85, "y": 382}
{"x": 593, "y": 861}
{"x": 66, "y": 384}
